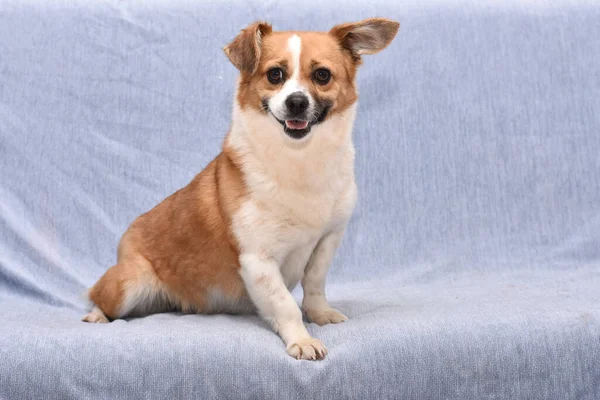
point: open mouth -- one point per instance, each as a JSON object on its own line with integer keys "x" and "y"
{"x": 298, "y": 128}
{"x": 295, "y": 124}
{"x": 295, "y": 128}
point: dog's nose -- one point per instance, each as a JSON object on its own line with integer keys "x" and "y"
{"x": 296, "y": 103}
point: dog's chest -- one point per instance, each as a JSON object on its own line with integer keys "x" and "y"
{"x": 302, "y": 226}
{"x": 294, "y": 200}
{"x": 308, "y": 212}
{"x": 287, "y": 222}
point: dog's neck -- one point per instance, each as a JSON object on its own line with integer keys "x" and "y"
{"x": 325, "y": 155}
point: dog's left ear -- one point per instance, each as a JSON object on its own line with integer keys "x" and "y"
{"x": 368, "y": 36}
{"x": 244, "y": 51}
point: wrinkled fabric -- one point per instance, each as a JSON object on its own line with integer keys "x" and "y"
{"x": 470, "y": 270}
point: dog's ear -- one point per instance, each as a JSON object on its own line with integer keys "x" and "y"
{"x": 368, "y": 36}
{"x": 244, "y": 51}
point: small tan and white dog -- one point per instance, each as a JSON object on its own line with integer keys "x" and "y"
{"x": 271, "y": 209}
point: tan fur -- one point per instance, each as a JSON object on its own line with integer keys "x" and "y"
{"x": 245, "y": 50}
{"x": 320, "y": 49}
{"x": 269, "y": 211}
{"x": 183, "y": 246}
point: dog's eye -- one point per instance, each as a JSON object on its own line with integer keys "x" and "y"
{"x": 322, "y": 76}
{"x": 275, "y": 75}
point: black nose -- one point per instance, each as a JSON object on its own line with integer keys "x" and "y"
{"x": 296, "y": 103}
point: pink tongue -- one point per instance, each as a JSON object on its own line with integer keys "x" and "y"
{"x": 296, "y": 124}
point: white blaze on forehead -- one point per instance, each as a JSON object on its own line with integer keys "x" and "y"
{"x": 292, "y": 84}
{"x": 294, "y": 46}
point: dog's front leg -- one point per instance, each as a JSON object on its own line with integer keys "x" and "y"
{"x": 314, "y": 303}
{"x": 276, "y": 305}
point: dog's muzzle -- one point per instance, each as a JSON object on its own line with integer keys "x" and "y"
{"x": 298, "y": 120}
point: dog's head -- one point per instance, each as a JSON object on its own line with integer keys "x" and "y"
{"x": 301, "y": 78}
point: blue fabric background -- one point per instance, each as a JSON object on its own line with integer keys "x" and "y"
{"x": 471, "y": 269}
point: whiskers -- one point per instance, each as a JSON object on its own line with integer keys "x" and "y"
{"x": 264, "y": 106}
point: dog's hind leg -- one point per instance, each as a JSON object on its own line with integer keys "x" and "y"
{"x": 96, "y": 315}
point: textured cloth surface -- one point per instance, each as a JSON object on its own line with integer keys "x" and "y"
{"x": 470, "y": 270}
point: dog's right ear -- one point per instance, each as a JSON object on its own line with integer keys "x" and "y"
{"x": 244, "y": 51}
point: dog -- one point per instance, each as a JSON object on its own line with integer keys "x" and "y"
{"x": 271, "y": 209}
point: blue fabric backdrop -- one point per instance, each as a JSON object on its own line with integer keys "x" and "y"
{"x": 470, "y": 270}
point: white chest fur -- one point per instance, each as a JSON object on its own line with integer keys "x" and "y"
{"x": 298, "y": 191}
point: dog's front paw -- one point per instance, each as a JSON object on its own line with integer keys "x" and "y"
{"x": 307, "y": 349}
{"x": 327, "y": 316}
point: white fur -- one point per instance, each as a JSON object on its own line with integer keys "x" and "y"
{"x": 314, "y": 303}
{"x": 218, "y": 302}
{"x": 96, "y": 316}
{"x": 292, "y": 85}
{"x": 294, "y": 47}
{"x": 301, "y": 195}
{"x": 146, "y": 295}
{"x": 264, "y": 284}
